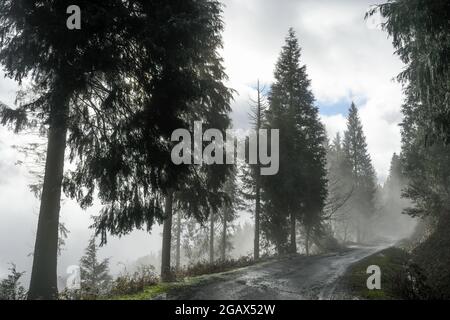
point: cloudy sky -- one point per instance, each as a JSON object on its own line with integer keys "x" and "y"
{"x": 347, "y": 59}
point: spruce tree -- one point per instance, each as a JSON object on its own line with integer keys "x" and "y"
{"x": 391, "y": 221}
{"x": 421, "y": 38}
{"x": 362, "y": 171}
{"x": 228, "y": 212}
{"x": 300, "y": 184}
{"x": 177, "y": 231}
{"x": 166, "y": 246}
{"x": 94, "y": 274}
{"x": 251, "y": 174}
{"x": 425, "y": 165}
{"x": 64, "y": 67}
{"x": 316, "y": 174}
{"x": 11, "y": 288}
{"x": 187, "y": 85}
{"x": 212, "y": 232}
{"x": 196, "y": 242}
{"x": 340, "y": 188}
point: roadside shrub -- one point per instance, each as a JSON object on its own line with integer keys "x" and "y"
{"x": 432, "y": 256}
{"x": 218, "y": 266}
{"x": 411, "y": 283}
{"x": 136, "y": 282}
{"x": 69, "y": 294}
{"x": 10, "y": 288}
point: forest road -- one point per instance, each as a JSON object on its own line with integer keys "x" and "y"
{"x": 290, "y": 278}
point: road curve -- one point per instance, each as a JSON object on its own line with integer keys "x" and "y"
{"x": 291, "y": 278}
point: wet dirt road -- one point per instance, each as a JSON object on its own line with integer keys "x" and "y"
{"x": 291, "y": 278}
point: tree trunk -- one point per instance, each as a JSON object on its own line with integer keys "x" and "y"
{"x": 257, "y": 220}
{"x": 308, "y": 233}
{"x": 257, "y": 183}
{"x": 256, "y": 254}
{"x": 293, "y": 237}
{"x": 257, "y": 216}
{"x": 211, "y": 239}
{"x": 345, "y": 232}
{"x": 167, "y": 238}
{"x": 362, "y": 230}
{"x": 358, "y": 230}
{"x": 43, "y": 284}
{"x": 224, "y": 235}
{"x": 178, "y": 249}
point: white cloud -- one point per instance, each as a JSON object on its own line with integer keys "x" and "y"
{"x": 334, "y": 124}
{"x": 381, "y": 117}
{"x": 347, "y": 58}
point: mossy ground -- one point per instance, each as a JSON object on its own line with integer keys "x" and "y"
{"x": 391, "y": 262}
{"x": 152, "y": 292}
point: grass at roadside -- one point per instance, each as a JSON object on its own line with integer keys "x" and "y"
{"x": 392, "y": 263}
{"x": 151, "y": 292}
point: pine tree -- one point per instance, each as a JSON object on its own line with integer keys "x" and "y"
{"x": 391, "y": 221}
{"x": 228, "y": 212}
{"x": 187, "y": 85}
{"x": 340, "y": 188}
{"x": 251, "y": 174}
{"x": 34, "y": 159}
{"x": 211, "y": 237}
{"x": 396, "y": 179}
{"x": 64, "y": 67}
{"x": 94, "y": 274}
{"x": 166, "y": 274}
{"x": 316, "y": 174}
{"x": 421, "y": 38}
{"x": 363, "y": 173}
{"x": 425, "y": 165}
{"x": 299, "y": 188}
{"x": 10, "y": 288}
{"x": 178, "y": 232}
{"x": 196, "y": 242}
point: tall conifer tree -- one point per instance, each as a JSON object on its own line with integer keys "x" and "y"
{"x": 298, "y": 191}
{"x": 362, "y": 171}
